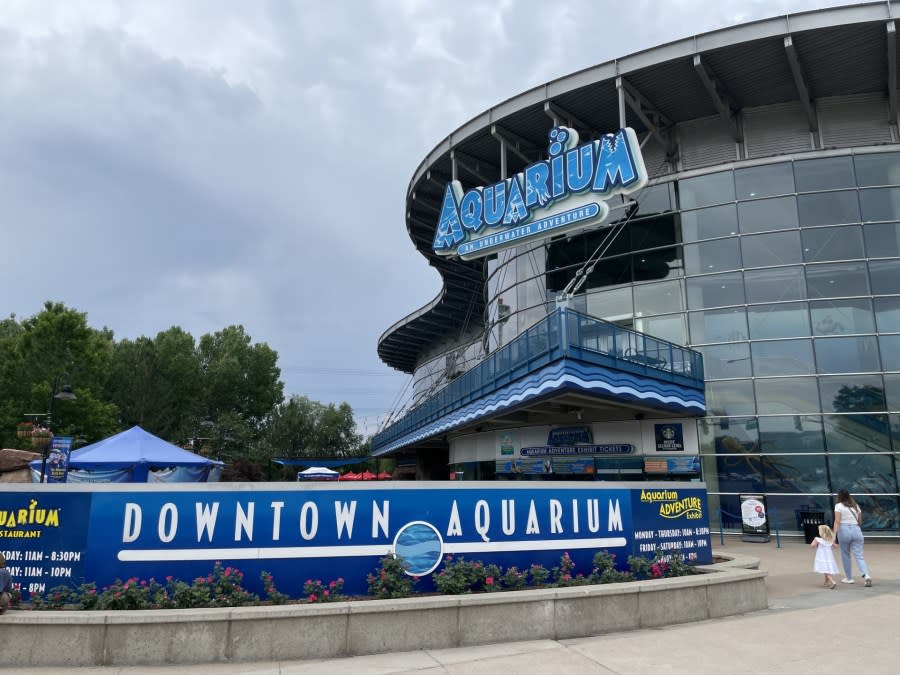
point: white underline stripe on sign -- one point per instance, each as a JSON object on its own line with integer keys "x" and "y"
{"x": 269, "y": 553}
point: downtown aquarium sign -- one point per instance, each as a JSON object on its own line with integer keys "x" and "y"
{"x": 72, "y": 534}
{"x": 565, "y": 192}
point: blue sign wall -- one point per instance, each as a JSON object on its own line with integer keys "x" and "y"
{"x": 70, "y": 534}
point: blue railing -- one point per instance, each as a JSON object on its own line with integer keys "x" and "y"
{"x": 564, "y": 333}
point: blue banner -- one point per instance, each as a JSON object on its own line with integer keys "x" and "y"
{"x": 58, "y": 459}
{"x": 84, "y": 533}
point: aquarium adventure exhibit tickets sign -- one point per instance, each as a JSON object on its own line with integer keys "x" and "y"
{"x": 71, "y": 534}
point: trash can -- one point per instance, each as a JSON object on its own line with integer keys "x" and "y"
{"x": 810, "y": 521}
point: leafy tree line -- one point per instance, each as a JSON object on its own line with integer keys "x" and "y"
{"x": 220, "y": 395}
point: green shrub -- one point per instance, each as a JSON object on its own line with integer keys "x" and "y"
{"x": 391, "y": 580}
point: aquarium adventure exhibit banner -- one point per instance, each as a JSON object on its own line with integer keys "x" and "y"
{"x": 71, "y": 534}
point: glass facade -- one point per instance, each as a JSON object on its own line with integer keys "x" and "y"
{"x": 786, "y": 277}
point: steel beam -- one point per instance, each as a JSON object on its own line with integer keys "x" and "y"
{"x": 720, "y": 98}
{"x": 800, "y": 83}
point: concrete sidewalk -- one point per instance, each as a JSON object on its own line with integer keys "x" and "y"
{"x": 806, "y": 629}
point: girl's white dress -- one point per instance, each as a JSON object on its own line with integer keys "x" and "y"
{"x": 825, "y": 562}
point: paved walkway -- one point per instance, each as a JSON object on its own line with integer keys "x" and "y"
{"x": 806, "y": 629}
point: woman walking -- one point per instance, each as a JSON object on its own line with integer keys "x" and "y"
{"x": 847, "y": 526}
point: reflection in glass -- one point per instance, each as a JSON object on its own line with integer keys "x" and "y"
{"x": 612, "y": 305}
{"x": 828, "y": 208}
{"x": 656, "y": 199}
{"x": 885, "y": 276}
{"x": 735, "y": 473}
{"x": 824, "y": 174}
{"x": 764, "y": 181}
{"x": 774, "y": 285}
{"x": 882, "y": 239}
{"x": 718, "y": 221}
{"x": 781, "y": 320}
{"x": 881, "y": 512}
{"x": 880, "y": 204}
{"x": 768, "y": 214}
{"x": 726, "y": 361}
{"x": 892, "y": 391}
{"x": 775, "y": 248}
{"x": 835, "y": 317}
{"x": 847, "y": 355}
{"x": 791, "y": 433}
{"x": 730, "y": 397}
{"x": 657, "y": 298}
{"x": 890, "y": 351}
{"x": 852, "y": 393}
{"x": 731, "y": 435}
{"x": 669, "y": 328}
{"x": 715, "y": 188}
{"x": 832, "y": 243}
{"x": 833, "y": 280}
{"x": 795, "y": 473}
{"x": 782, "y": 357}
{"x": 882, "y": 168}
{"x": 864, "y": 474}
{"x": 785, "y": 510}
{"x": 715, "y": 290}
{"x": 718, "y": 325}
{"x": 718, "y": 255}
{"x": 887, "y": 314}
{"x": 857, "y": 433}
{"x": 786, "y": 395}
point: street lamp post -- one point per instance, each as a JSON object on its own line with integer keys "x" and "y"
{"x": 64, "y": 393}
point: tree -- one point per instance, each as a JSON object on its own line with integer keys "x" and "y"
{"x": 302, "y": 427}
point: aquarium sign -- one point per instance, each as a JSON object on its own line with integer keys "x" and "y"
{"x": 567, "y": 191}
{"x": 569, "y": 450}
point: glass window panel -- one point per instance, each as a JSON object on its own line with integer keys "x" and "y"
{"x": 828, "y": 208}
{"x": 824, "y": 174}
{"x": 885, "y": 276}
{"x": 774, "y": 285}
{"x": 614, "y": 305}
{"x": 783, "y": 395}
{"x": 887, "y": 314}
{"x": 730, "y": 397}
{"x": 892, "y": 391}
{"x": 669, "y": 328}
{"x": 768, "y": 214}
{"x": 720, "y": 325}
{"x": 718, "y": 255}
{"x": 791, "y": 433}
{"x": 864, "y": 474}
{"x": 715, "y": 290}
{"x": 857, "y": 433}
{"x": 767, "y": 322}
{"x": 881, "y": 512}
{"x": 719, "y": 221}
{"x": 890, "y": 351}
{"x": 764, "y": 181}
{"x": 706, "y": 190}
{"x": 836, "y": 279}
{"x": 782, "y": 357}
{"x": 730, "y": 473}
{"x": 657, "y": 298}
{"x": 882, "y": 168}
{"x": 722, "y": 361}
{"x": 729, "y": 435}
{"x": 832, "y": 243}
{"x": 847, "y": 355}
{"x": 656, "y": 199}
{"x": 785, "y": 510}
{"x": 795, "y": 473}
{"x": 834, "y": 317}
{"x": 895, "y": 433}
{"x": 852, "y": 393}
{"x": 880, "y": 204}
{"x": 882, "y": 240}
{"x": 777, "y": 248}
{"x": 661, "y": 264}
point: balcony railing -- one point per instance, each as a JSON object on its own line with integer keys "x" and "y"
{"x": 564, "y": 333}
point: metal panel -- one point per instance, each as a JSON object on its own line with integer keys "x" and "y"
{"x": 706, "y": 141}
{"x": 655, "y": 158}
{"x": 776, "y": 130}
{"x": 846, "y": 121}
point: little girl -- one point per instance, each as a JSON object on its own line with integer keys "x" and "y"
{"x": 825, "y": 562}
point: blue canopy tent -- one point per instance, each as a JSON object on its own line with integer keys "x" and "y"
{"x": 136, "y": 456}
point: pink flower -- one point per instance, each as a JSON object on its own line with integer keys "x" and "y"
{"x": 331, "y": 585}
{"x": 489, "y": 581}
{"x": 325, "y": 593}
{"x": 312, "y": 597}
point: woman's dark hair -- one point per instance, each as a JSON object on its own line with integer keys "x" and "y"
{"x": 843, "y": 496}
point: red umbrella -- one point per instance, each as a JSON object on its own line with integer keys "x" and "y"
{"x": 368, "y": 475}
{"x": 384, "y": 475}
{"x": 351, "y": 476}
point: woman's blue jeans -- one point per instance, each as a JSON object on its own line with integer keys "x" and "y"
{"x": 850, "y": 539}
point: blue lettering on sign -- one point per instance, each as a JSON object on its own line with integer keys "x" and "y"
{"x": 585, "y": 175}
{"x": 101, "y": 533}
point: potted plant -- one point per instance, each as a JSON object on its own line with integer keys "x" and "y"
{"x": 24, "y": 429}
{"x": 40, "y": 438}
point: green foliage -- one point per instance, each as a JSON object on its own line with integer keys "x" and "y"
{"x": 514, "y": 580}
{"x": 604, "y": 570}
{"x": 390, "y": 580}
{"x": 301, "y": 427}
{"x": 272, "y": 593}
{"x": 659, "y": 566}
{"x": 564, "y": 574}
{"x": 459, "y": 576}
{"x": 539, "y": 575}
{"x": 316, "y": 591}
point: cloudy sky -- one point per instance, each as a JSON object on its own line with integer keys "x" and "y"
{"x": 205, "y": 163}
